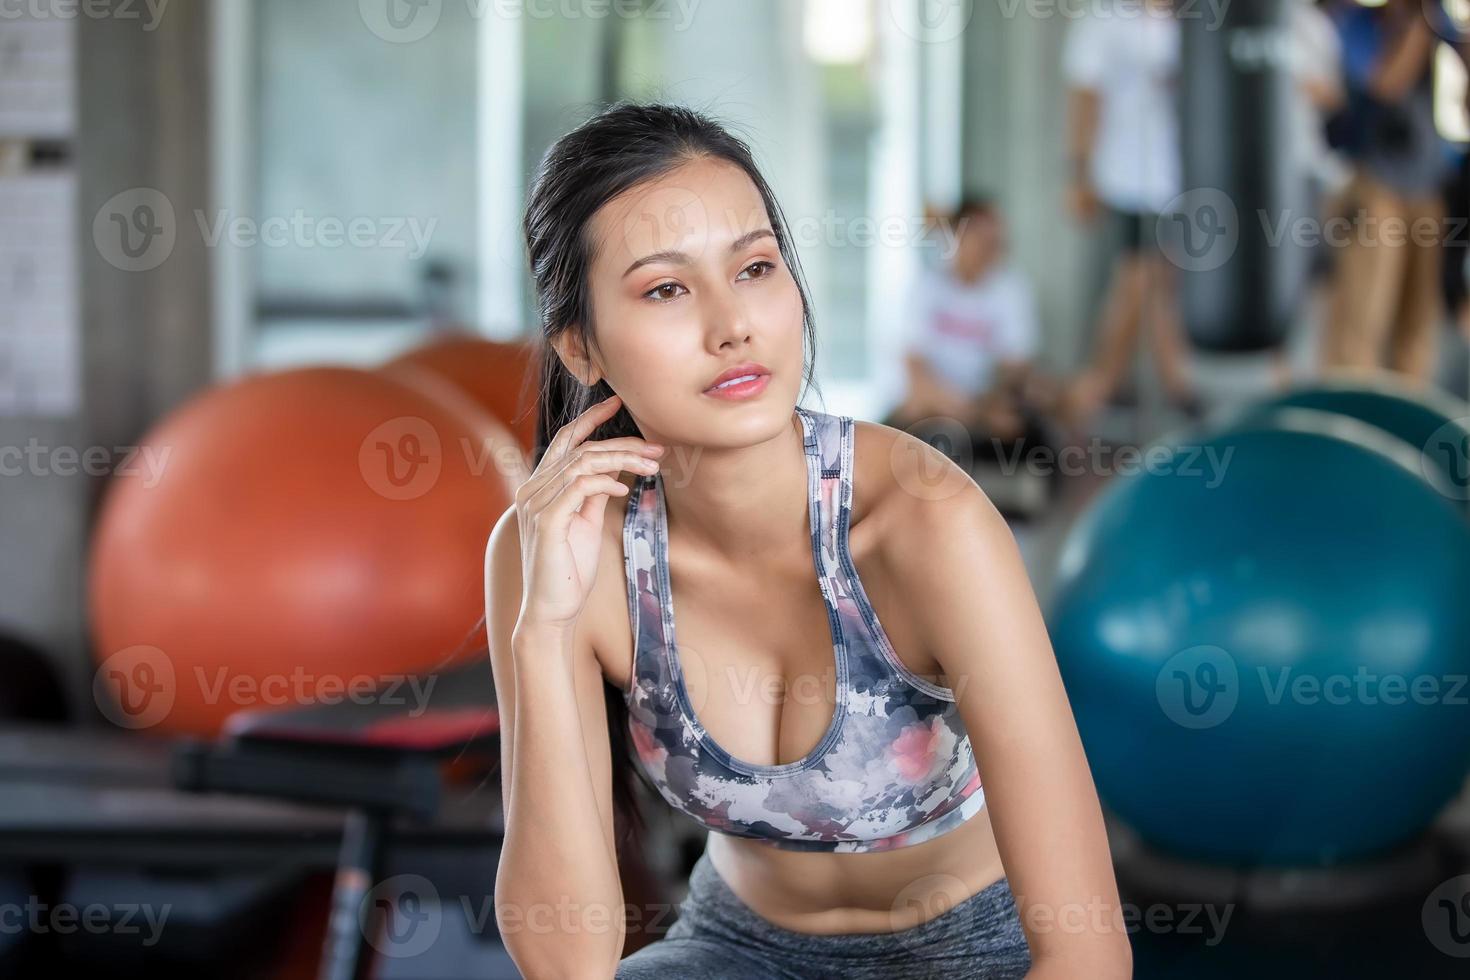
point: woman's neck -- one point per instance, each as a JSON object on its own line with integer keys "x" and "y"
{"x": 739, "y": 504}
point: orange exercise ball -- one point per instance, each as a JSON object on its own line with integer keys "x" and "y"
{"x": 491, "y": 372}
{"x": 292, "y": 538}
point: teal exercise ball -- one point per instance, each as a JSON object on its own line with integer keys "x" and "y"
{"x": 1434, "y": 424}
{"x": 1265, "y": 637}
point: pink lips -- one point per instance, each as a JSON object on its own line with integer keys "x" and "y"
{"x": 741, "y": 389}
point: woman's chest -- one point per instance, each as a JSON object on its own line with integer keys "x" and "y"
{"x": 755, "y": 645}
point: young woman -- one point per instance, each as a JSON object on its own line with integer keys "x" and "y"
{"x": 857, "y": 641}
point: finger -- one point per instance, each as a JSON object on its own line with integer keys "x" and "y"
{"x": 636, "y": 444}
{"x": 583, "y": 425}
{"x": 586, "y": 460}
{"x": 550, "y": 465}
{"x": 557, "y": 514}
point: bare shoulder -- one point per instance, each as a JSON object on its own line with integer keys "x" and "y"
{"x": 913, "y": 498}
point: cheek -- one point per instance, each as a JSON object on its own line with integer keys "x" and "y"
{"x": 780, "y": 307}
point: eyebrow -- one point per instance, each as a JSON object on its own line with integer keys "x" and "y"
{"x": 674, "y": 255}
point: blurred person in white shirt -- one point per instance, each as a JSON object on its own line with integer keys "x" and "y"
{"x": 971, "y": 343}
{"x": 1121, "y": 64}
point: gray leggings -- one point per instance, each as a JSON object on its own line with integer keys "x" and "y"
{"x": 719, "y": 937}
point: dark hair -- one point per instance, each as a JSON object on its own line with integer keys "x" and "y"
{"x": 622, "y": 146}
{"x": 976, "y": 204}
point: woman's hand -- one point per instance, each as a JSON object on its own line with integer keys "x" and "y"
{"x": 560, "y": 509}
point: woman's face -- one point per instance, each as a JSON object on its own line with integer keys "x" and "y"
{"x": 687, "y": 283}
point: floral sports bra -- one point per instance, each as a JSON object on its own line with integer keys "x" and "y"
{"x": 894, "y": 767}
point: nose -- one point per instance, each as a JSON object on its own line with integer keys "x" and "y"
{"x": 726, "y": 318}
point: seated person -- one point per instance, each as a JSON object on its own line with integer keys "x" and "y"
{"x": 970, "y": 346}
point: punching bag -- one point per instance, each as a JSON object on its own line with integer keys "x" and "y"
{"x": 1242, "y": 276}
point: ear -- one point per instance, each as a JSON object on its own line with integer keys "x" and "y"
{"x": 574, "y": 356}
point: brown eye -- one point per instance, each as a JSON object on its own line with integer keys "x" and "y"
{"x": 660, "y": 294}
{"x": 765, "y": 267}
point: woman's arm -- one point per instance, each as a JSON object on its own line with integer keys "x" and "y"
{"x": 558, "y": 898}
{"x": 1405, "y": 60}
{"x": 1083, "y": 109}
{"x": 965, "y": 577}
{"x": 928, "y": 394}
